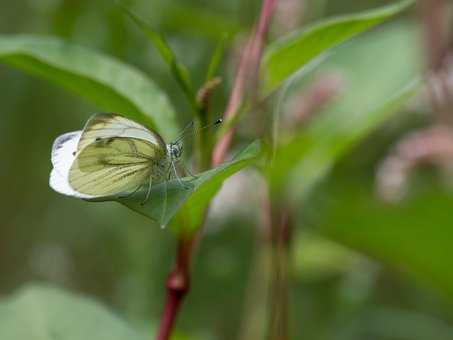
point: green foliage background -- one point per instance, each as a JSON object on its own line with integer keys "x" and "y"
{"x": 361, "y": 268}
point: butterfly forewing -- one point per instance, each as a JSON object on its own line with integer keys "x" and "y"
{"x": 116, "y": 165}
{"x": 107, "y": 125}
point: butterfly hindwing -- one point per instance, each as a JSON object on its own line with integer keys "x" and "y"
{"x": 63, "y": 155}
{"x": 116, "y": 165}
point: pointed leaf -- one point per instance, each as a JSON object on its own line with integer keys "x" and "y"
{"x": 286, "y": 56}
{"x": 171, "y": 198}
{"x": 109, "y": 83}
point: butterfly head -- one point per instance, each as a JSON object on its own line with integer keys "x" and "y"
{"x": 175, "y": 150}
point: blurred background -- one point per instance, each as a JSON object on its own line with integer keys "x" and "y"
{"x": 372, "y": 251}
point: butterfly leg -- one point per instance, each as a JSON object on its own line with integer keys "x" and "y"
{"x": 132, "y": 193}
{"x": 148, "y": 192}
{"x": 179, "y": 178}
{"x": 186, "y": 169}
{"x": 164, "y": 207}
{"x": 169, "y": 172}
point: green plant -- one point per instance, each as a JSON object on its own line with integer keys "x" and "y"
{"x": 291, "y": 164}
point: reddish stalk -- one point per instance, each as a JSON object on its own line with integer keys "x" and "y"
{"x": 247, "y": 72}
{"x": 172, "y": 305}
{"x": 178, "y": 281}
{"x": 178, "y": 285}
{"x": 432, "y": 15}
{"x": 435, "y": 23}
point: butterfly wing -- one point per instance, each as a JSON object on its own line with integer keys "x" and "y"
{"x": 63, "y": 155}
{"x": 107, "y": 125}
{"x": 116, "y": 165}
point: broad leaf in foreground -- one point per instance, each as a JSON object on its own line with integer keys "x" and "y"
{"x": 286, "y": 56}
{"x": 189, "y": 201}
{"x": 44, "y": 313}
{"x": 107, "y": 82}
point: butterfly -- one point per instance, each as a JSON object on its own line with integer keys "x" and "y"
{"x": 112, "y": 156}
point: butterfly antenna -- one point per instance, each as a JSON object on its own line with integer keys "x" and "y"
{"x": 185, "y": 131}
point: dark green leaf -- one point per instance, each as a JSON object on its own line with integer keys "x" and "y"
{"x": 114, "y": 86}
{"x": 285, "y": 57}
{"x": 171, "y": 198}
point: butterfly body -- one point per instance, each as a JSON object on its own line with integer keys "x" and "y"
{"x": 112, "y": 156}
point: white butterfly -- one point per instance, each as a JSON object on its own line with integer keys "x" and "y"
{"x": 111, "y": 156}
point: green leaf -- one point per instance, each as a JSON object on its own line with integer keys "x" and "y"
{"x": 376, "y": 84}
{"x": 178, "y": 70}
{"x": 286, "y": 56}
{"x": 44, "y": 313}
{"x": 414, "y": 236}
{"x": 171, "y": 198}
{"x": 109, "y": 83}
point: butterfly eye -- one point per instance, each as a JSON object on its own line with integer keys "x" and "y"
{"x": 176, "y": 150}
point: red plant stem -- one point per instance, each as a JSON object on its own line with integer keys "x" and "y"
{"x": 432, "y": 14}
{"x": 172, "y": 305}
{"x": 178, "y": 285}
{"x": 178, "y": 281}
{"x": 247, "y": 71}
{"x": 436, "y": 40}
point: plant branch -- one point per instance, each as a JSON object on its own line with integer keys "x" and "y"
{"x": 432, "y": 14}
{"x": 247, "y": 74}
{"x": 178, "y": 281}
{"x": 255, "y": 311}
{"x": 438, "y": 61}
{"x": 281, "y": 231}
{"x": 178, "y": 285}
